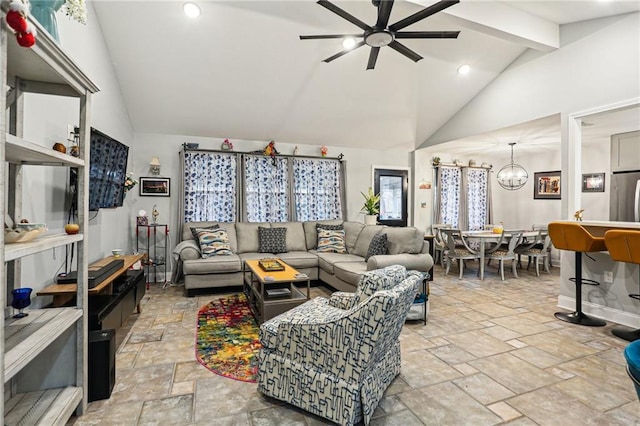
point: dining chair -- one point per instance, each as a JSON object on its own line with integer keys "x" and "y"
{"x": 455, "y": 252}
{"x": 536, "y": 249}
{"x": 439, "y": 245}
{"x": 502, "y": 253}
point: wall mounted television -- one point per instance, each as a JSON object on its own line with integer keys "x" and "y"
{"x": 107, "y": 171}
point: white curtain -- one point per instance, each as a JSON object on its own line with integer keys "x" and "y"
{"x": 317, "y": 189}
{"x": 449, "y": 182}
{"x": 210, "y": 186}
{"x": 477, "y": 198}
{"x": 266, "y": 189}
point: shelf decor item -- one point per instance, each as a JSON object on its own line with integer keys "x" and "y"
{"x": 227, "y": 145}
{"x": 21, "y": 299}
{"x": 17, "y": 21}
{"x": 129, "y": 182}
{"x": 44, "y": 11}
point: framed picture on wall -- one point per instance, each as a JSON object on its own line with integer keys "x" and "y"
{"x": 155, "y": 187}
{"x": 593, "y": 182}
{"x": 546, "y": 185}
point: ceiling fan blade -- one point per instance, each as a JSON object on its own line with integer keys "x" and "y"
{"x": 398, "y": 47}
{"x": 373, "y": 57}
{"x": 384, "y": 12}
{"x": 344, "y": 52}
{"x": 424, "y": 13}
{"x": 344, "y": 14}
{"x": 323, "y": 36}
{"x": 427, "y": 34}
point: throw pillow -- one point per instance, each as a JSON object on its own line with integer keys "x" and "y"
{"x": 194, "y": 232}
{"x": 213, "y": 242}
{"x": 331, "y": 241}
{"x": 272, "y": 240}
{"x": 377, "y": 246}
{"x": 320, "y": 226}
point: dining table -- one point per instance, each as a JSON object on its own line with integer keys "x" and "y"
{"x": 485, "y": 237}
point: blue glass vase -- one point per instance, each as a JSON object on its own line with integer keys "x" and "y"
{"x": 44, "y": 11}
{"x": 21, "y": 299}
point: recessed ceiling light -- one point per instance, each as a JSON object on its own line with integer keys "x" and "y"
{"x": 348, "y": 42}
{"x": 464, "y": 69}
{"x": 191, "y": 9}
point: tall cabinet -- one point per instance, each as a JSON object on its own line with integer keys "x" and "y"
{"x": 44, "y": 355}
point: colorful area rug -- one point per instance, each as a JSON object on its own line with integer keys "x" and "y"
{"x": 227, "y": 340}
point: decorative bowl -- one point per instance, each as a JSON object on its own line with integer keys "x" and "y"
{"x": 21, "y": 236}
{"x": 116, "y": 252}
{"x": 30, "y": 226}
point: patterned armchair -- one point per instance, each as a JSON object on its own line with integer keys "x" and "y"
{"x": 335, "y": 358}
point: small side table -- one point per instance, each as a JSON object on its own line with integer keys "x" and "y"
{"x": 151, "y": 240}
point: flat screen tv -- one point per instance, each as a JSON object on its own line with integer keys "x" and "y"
{"x": 107, "y": 171}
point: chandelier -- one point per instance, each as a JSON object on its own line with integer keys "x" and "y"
{"x": 512, "y": 176}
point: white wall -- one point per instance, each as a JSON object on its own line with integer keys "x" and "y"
{"x": 359, "y": 163}
{"x": 46, "y": 120}
{"x": 598, "y": 64}
{"x": 596, "y": 159}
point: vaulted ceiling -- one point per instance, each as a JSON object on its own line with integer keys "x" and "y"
{"x": 240, "y": 70}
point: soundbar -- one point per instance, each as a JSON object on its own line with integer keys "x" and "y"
{"x": 97, "y": 274}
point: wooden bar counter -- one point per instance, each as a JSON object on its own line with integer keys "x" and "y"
{"x": 63, "y": 293}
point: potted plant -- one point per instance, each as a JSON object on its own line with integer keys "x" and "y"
{"x": 371, "y": 207}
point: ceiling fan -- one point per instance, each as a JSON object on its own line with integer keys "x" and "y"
{"x": 382, "y": 34}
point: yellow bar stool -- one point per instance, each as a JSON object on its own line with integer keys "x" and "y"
{"x": 574, "y": 237}
{"x": 624, "y": 246}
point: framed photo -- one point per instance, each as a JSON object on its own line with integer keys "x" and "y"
{"x": 546, "y": 185}
{"x": 155, "y": 186}
{"x": 593, "y": 182}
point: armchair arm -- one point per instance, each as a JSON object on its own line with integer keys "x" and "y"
{"x": 419, "y": 262}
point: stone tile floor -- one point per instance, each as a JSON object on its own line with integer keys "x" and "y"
{"x": 491, "y": 353}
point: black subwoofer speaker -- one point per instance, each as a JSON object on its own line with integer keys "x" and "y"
{"x": 102, "y": 364}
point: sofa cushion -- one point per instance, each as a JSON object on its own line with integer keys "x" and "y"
{"x": 247, "y": 234}
{"x": 351, "y": 232}
{"x": 295, "y": 235}
{"x": 300, "y": 259}
{"x": 350, "y": 272}
{"x": 311, "y": 234}
{"x": 364, "y": 239}
{"x": 253, "y": 256}
{"x": 404, "y": 240}
{"x": 229, "y": 226}
{"x": 213, "y": 242}
{"x": 326, "y": 261}
{"x": 212, "y": 265}
{"x": 331, "y": 241}
{"x": 272, "y": 240}
{"x": 377, "y": 246}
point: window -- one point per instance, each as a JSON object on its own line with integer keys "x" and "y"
{"x": 317, "y": 189}
{"x": 210, "y": 187}
{"x": 266, "y": 182}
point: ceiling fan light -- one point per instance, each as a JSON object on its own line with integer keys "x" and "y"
{"x": 191, "y": 9}
{"x": 378, "y": 38}
{"x": 348, "y": 43}
{"x": 464, "y": 69}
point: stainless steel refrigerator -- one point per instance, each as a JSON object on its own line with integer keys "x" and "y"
{"x": 625, "y": 196}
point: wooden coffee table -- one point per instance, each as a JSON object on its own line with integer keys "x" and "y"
{"x": 271, "y": 293}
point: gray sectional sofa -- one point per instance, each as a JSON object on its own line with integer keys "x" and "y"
{"x": 406, "y": 246}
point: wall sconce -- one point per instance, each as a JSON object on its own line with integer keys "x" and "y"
{"x": 155, "y": 166}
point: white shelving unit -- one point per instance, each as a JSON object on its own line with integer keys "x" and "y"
{"x": 43, "y": 357}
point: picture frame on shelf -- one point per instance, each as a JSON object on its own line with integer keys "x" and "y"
{"x": 593, "y": 182}
{"x": 155, "y": 187}
{"x": 547, "y": 185}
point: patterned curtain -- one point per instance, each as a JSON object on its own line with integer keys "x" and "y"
{"x": 266, "y": 188}
{"x": 449, "y": 179}
{"x": 210, "y": 187}
{"x": 477, "y": 198}
{"x": 317, "y": 189}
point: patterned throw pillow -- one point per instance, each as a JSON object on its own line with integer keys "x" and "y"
{"x": 213, "y": 242}
{"x": 272, "y": 240}
{"x": 194, "y": 232}
{"x": 378, "y": 245}
{"x": 320, "y": 226}
{"x": 331, "y": 241}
